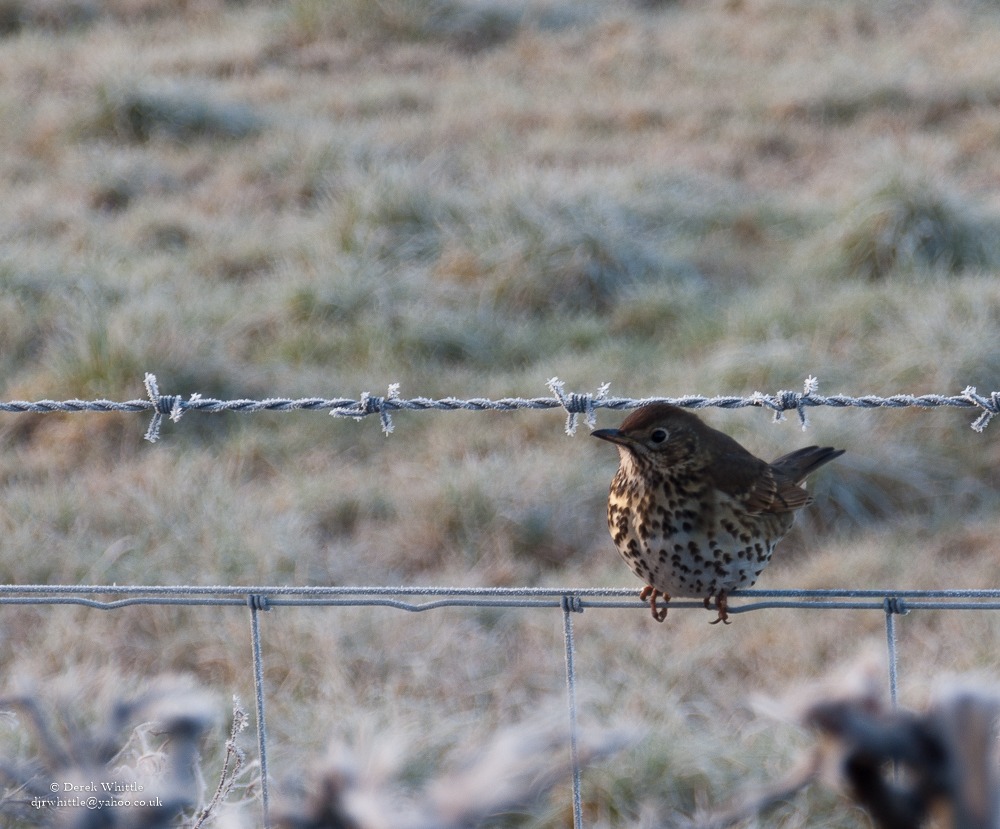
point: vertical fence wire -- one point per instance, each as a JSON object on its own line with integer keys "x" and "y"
{"x": 892, "y": 606}
{"x": 260, "y": 603}
{"x": 890, "y": 638}
{"x": 571, "y": 604}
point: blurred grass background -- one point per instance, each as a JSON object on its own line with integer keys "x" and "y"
{"x": 321, "y": 197}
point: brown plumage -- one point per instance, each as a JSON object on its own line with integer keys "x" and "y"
{"x": 692, "y": 512}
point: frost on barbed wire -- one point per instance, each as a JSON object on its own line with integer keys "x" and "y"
{"x": 576, "y": 403}
{"x": 573, "y": 403}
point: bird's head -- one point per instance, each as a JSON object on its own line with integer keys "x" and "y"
{"x": 657, "y": 435}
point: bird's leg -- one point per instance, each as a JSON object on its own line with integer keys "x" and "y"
{"x": 722, "y": 605}
{"x": 708, "y": 603}
{"x": 649, "y": 592}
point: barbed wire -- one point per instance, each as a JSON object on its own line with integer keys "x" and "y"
{"x": 573, "y": 403}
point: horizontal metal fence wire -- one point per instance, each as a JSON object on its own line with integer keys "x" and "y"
{"x": 260, "y": 598}
{"x": 581, "y": 598}
{"x": 175, "y": 406}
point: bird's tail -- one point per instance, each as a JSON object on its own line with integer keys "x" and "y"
{"x": 800, "y": 463}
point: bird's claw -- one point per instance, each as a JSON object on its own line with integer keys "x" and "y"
{"x": 651, "y": 594}
{"x": 722, "y": 605}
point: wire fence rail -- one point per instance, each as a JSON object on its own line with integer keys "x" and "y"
{"x": 264, "y": 598}
{"x": 574, "y": 404}
{"x": 567, "y": 600}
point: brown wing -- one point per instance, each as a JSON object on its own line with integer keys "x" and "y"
{"x": 769, "y": 487}
{"x": 754, "y": 482}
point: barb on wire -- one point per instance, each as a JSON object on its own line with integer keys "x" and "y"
{"x": 573, "y": 403}
{"x": 370, "y": 404}
{"x": 168, "y": 404}
{"x": 990, "y": 407}
{"x": 786, "y": 400}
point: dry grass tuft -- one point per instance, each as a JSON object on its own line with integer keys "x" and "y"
{"x": 466, "y": 25}
{"x": 909, "y": 224}
{"x": 181, "y": 115}
{"x": 57, "y": 15}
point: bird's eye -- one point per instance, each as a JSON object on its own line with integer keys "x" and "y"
{"x": 658, "y": 435}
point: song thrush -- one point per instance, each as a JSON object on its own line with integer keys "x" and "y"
{"x": 692, "y": 512}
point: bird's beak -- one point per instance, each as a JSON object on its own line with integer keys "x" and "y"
{"x": 613, "y": 435}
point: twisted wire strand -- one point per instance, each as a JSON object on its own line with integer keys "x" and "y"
{"x": 573, "y": 403}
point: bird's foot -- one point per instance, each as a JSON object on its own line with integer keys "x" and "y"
{"x": 651, "y": 593}
{"x": 722, "y": 605}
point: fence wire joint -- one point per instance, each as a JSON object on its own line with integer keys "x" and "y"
{"x": 572, "y": 604}
{"x": 893, "y": 604}
{"x": 257, "y": 601}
